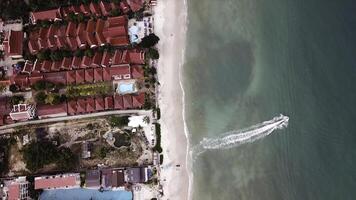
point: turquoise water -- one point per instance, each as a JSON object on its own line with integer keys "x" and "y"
{"x": 126, "y": 88}
{"x": 85, "y": 194}
{"x": 247, "y": 61}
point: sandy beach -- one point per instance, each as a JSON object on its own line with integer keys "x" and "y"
{"x": 170, "y": 23}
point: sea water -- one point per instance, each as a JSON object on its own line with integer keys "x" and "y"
{"x": 246, "y": 61}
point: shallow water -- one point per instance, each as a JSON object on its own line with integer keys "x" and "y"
{"x": 246, "y": 62}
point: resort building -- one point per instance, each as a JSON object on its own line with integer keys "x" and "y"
{"x": 23, "y": 112}
{"x": 92, "y": 179}
{"x": 50, "y": 15}
{"x": 63, "y": 181}
{"x": 12, "y": 44}
{"x": 16, "y": 189}
{"x": 112, "y": 178}
{"x": 137, "y": 175}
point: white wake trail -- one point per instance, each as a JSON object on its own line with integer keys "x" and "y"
{"x": 238, "y": 137}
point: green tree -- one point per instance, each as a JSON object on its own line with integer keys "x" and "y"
{"x": 14, "y": 100}
{"x": 153, "y": 53}
{"x": 115, "y": 12}
{"x": 2, "y": 88}
{"x": 149, "y": 41}
{"x": 44, "y": 55}
{"x": 41, "y": 97}
{"x": 79, "y": 53}
{"x": 56, "y": 56}
{"x": 45, "y": 24}
{"x": 14, "y": 88}
{"x": 39, "y": 153}
{"x": 89, "y": 53}
{"x": 119, "y": 121}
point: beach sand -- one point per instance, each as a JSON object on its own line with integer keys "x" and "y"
{"x": 170, "y": 23}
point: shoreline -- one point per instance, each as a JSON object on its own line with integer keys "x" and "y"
{"x": 170, "y": 26}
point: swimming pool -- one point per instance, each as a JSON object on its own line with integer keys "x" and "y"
{"x": 85, "y": 194}
{"x": 125, "y": 88}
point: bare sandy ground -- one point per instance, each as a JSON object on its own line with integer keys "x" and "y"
{"x": 170, "y": 23}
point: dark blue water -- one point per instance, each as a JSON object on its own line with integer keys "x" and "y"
{"x": 248, "y": 61}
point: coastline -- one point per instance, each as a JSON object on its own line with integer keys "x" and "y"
{"x": 170, "y": 26}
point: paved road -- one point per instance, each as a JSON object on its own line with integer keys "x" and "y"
{"x": 8, "y": 128}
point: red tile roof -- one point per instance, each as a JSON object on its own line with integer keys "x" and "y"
{"x": 85, "y": 9}
{"x": 135, "y": 5}
{"x": 120, "y": 72}
{"x": 70, "y": 76}
{"x": 127, "y": 99}
{"x": 137, "y": 72}
{"x": 106, "y": 74}
{"x": 43, "y": 33}
{"x": 56, "y": 77}
{"x": 61, "y": 42}
{"x": 109, "y": 103}
{"x": 21, "y": 81}
{"x": 99, "y": 104}
{"x": 89, "y": 75}
{"x": 75, "y": 9}
{"x": 35, "y": 78}
{"x": 57, "y": 182}
{"x": 76, "y": 62}
{"x": 106, "y": 60}
{"x": 79, "y": 76}
{"x": 136, "y": 57}
{"x": 56, "y": 65}
{"x": 124, "y": 7}
{"x": 90, "y": 105}
{"x": 44, "y": 111}
{"x": 46, "y": 66}
{"x": 98, "y": 74}
{"x": 86, "y": 61}
{"x": 28, "y": 67}
{"x": 118, "y": 41}
{"x": 81, "y": 106}
{"x": 45, "y": 15}
{"x": 66, "y": 63}
{"x": 95, "y": 9}
{"x": 14, "y": 191}
{"x": 72, "y": 43}
{"x": 65, "y": 11}
{"x": 138, "y": 100}
{"x": 15, "y": 43}
{"x": 118, "y": 102}
{"x": 81, "y": 40}
{"x": 96, "y": 61}
{"x": 37, "y": 66}
{"x": 42, "y": 43}
{"x": 117, "y": 21}
{"x": 52, "y": 31}
{"x": 33, "y": 46}
{"x": 105, "y": 8}
{"x": 71, "y": 29}
{"x": 72, "y": 107}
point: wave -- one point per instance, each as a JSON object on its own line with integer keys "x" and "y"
{"x": 238, "y": 137}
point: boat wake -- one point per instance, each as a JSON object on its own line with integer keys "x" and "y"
{"x": 237, "y": 137}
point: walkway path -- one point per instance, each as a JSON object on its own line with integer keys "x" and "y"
{"x": 10, "y": 127}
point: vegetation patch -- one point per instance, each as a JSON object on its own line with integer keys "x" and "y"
{"x": 116, "y": 121}
{"x": 98, "y": 89}
{"x": 37, "y": 154}
{"x": 122, "y": 139}
{"x": 5, "y": 145}
{"x": 158, "y": 147}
